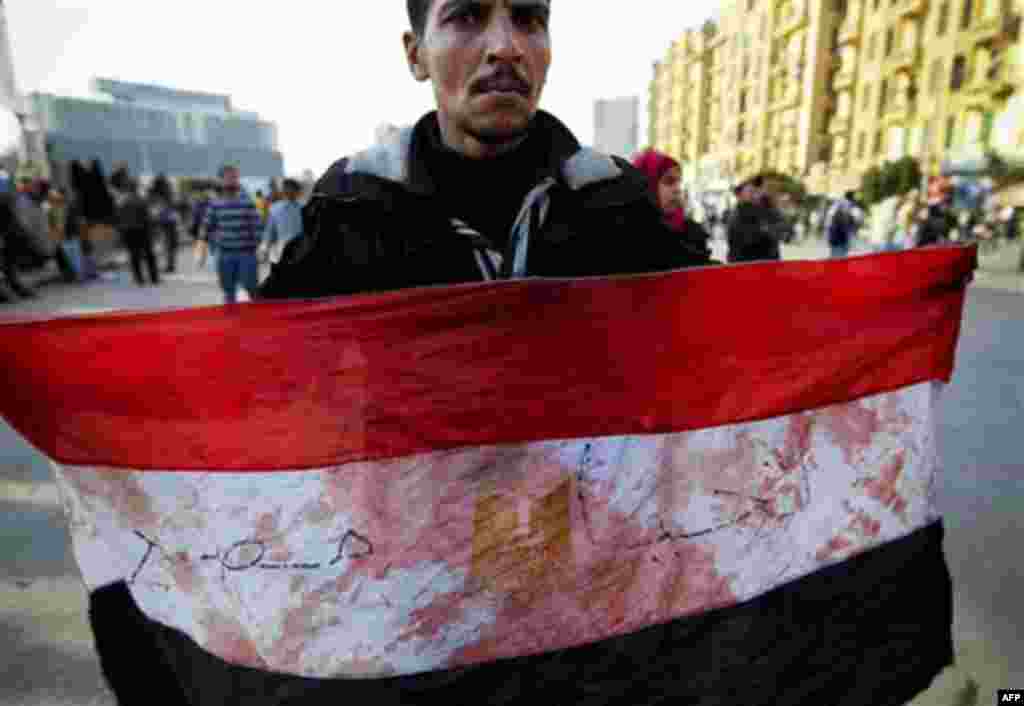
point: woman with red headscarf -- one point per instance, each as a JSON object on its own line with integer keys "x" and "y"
{"x": 664, "y": 176}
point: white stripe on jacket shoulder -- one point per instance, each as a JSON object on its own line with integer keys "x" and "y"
{"x": 389, "y": 159}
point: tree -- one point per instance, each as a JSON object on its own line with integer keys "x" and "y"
{"x": 871, "y": 186}
{"x": 891, "y": 179}
{"x": 785, "y": 184}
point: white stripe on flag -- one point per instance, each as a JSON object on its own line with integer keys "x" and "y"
{"x": 452, "y": 558}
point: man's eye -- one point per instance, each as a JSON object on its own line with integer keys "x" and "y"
{"x": 532, "y": 19}
{"x": 471, "y": 16}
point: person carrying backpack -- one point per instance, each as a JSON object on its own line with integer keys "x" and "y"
{"x": 841, "y": 225}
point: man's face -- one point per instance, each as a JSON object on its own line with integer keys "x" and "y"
{"x": 231, "y": 180}
{"x": 488, "y": 61}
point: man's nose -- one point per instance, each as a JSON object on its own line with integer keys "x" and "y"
{"x": 504, "y": 40}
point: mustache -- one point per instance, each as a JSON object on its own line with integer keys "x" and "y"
{"x": 503, "y": 79}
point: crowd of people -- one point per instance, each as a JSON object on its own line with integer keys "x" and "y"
{"x": 41, "y": 223}
{"x": 237, "y": 232}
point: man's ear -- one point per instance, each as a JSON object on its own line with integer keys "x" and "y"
{"x": 414, "y": 56}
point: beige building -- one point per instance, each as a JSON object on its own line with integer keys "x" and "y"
{"x": 824, "y": 89}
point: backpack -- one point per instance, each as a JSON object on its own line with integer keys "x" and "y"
{"x": 842, "y": 225}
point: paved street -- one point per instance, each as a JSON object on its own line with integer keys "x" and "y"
{"x": 49, "y": 658}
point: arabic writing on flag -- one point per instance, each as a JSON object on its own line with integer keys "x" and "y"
{"x": 394, "y": 484}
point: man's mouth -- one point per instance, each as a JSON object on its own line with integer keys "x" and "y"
{"x": 503, "y": 83}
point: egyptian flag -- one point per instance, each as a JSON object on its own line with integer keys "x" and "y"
{"x": 697, "y": 487}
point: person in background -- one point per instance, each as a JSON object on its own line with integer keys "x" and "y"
{"x": 884, "y": 224}
{"x": 262, "y": 205}
{"x": 233, "y": 223}
{"x": 57, "y": 214}
{"x": 937, "y": 219}
{"x": 169, "y": 222}
{"x": 13, "y": 241}
{"x": 284, "y": 223}
{"x": 664, "y": 176}
{"x": 906, "y": 220}
{"x": 750, "y": 237}
{"x": 136, "y": 227}
{"x": 841, "y": 225}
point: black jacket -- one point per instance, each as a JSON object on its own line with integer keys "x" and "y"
{"x": 754, "y": 233}
{"x": 375, "y": 223}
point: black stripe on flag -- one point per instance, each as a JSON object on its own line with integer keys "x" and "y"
{"x": 871, "y": 631}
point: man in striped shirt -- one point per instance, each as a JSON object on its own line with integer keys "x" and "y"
{"x": 234, "y": 226}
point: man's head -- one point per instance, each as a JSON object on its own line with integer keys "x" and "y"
{"x": 746, "y": 192}
{"x": 488, "y": 62}
{"x": 230, "y": 179}
{"x": 292, "y": 189}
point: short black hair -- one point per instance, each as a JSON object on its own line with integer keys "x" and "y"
{"x": 418, "y": 11}
{"x": 292, "y": 185}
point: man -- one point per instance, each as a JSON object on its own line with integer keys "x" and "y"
{"x": 841, "y": 225}
{"x": 284, "y": 223}
{"x": 13, "y": 241}
{"x": 136, "y": 228}
{"x": 169, "y": 221}
{"x": 487, "y": 187}
{"x": 233, "y": 223}
{"x": 751, "y": 232}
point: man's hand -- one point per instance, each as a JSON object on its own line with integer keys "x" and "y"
{"x": 200, "y": 251}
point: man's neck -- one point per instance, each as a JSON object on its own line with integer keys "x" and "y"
{"x": 472, "y": 147}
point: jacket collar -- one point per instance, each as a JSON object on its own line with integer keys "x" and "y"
{"x": 400, "y": 158}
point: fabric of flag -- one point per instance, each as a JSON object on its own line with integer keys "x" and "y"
{"x": 391, "y": 485}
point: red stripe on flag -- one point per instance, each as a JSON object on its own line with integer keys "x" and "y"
{"x": 296, "y": 385}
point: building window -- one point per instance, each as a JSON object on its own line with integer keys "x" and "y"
{"x": 872, "y": 45}
{"x": 743, "y": 101}
{"x": 950, "y": 131}
{"x": 883, "y": 96}
{"x": 965, "y": 19}
{"x": 741, "y": 133}
{"x": 890, "y": 41}
{"x": 943, "y": 18}
{"x": 867, "y": 97}
{"x": 879, "y": 142}
{"x": 935, "y": 83}
{"x": 958, "y": 74}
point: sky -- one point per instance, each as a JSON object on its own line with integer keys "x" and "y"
{"x": 326, "y": 72}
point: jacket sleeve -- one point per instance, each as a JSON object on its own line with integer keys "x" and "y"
{"x": 335, "y": 256}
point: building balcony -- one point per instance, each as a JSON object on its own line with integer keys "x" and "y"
{"x": 844, "y": 78}
{"x": 796, "y": 21}
{"x": 899, "y": 110}
{"x": 840, "y": 124}
{"x": 910, "y": 8}
{"x": 849, "y": 30}
{"x": 994, "y": 83}
{"x": 999, "y": 30}
{"x": 902, "y": 59}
